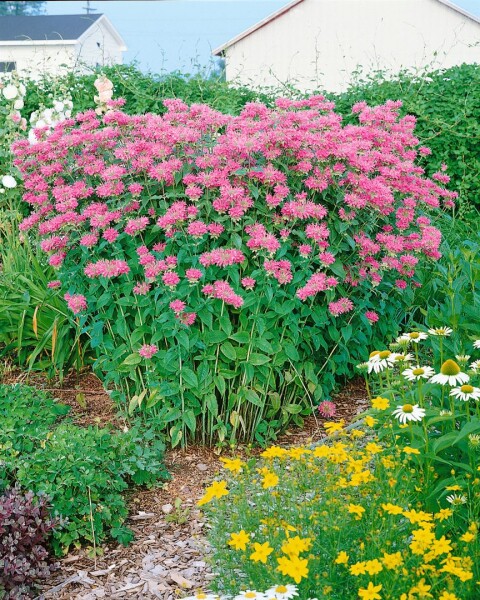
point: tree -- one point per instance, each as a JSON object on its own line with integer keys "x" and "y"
{"x": 21, "y": 8}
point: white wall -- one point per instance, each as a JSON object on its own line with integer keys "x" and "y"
{"x": 54, "y": 59}
{"x": 320, "y": 43}
{"x": 98, "y": 47}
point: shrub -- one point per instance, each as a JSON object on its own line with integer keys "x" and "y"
{"x": 83, "y": 471}
{"x": 25, "y": 529}
{"x": 220, "y": 265}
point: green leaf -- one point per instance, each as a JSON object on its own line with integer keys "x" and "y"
{"x": 242, "y": 337}
{"x": 189, "y": 377}
{"x": 258, "y": 359}
{"x": 228, "y": 350}
{"x": 131, "y": 360}
{"x": 189, "y": 420}
{"x": 220, "y": 384}
{"x": 291, "y": 352}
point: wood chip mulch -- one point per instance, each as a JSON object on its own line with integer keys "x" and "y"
{"x": 169, "y": 557}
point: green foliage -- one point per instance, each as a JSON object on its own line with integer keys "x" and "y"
{"x": 83, "y": 471}
{"x": 450, "y": 289}
{"x": 447, "y": 107}
{"x": 35, "y": 328}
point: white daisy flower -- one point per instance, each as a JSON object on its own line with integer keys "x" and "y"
{"x": 282, "y": 592}
{"x": 9, "y": 182}
{"x": 462, "y": 358}
{"x": 474, "y": 440}
{"x": 413, "y": 336}
{"x": 456, "y": 499}
{"x": 417, "y": 373}
{"x": 251, "y": 594}
{"x": 379, "y": 360}
{"x": 409, "y": 412}
{"x": 476, "y": 344}
{"x": 475, "y": 365}
{"x": 203, "y": 596}
{"x": 401, "y": 358}
{"x": 466, "y": 392}
{"x": 441, "y": 331}
{"x": 450, "y": 374}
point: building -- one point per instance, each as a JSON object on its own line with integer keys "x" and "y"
{"x": 320, "y": 44}
{"x": 54, "y": 44}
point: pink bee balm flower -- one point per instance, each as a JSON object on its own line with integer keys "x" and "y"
{"x": 171, "y": 279}
{"x": 110, "y": 234}
{"x": 197, "y": 229}
{"x": 341, "y": 306}
{"x": 76, "y": 302}
{"x": 141, "y": 289}
{"x": 372, "y": 316}
{"x": 107, "y": 268}
{"x": 148, "y": 350}
{"x": 193, "y": 275}
{"x": 305, "y": 249}
{"x": 326, "y": 258}
{"x": 248, "y": 283}
{"x": 133, "y": 226}
{"x": 177, "y": 306}
{"x": 89, "y": 240}
{"x": 53, "y": 285}
{"x": 327, "y": 409}
{"x": 188, "y": 318}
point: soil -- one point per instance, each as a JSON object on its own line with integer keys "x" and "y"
{"x": 169, "y": 556}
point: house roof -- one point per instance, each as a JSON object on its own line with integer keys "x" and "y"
{"x": 290, "y": 5}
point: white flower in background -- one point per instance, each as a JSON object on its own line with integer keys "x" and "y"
{"x": 466, "y": 392}
{"x": 104, "y": 87}
{"x": 202, "y": 596}
{"x": 476, "y": 344}
{"x": 282, "y": 592}
{"x": 401, "y": 358}
{"x": 10, "y": 91}
{"x": 417, "y": 373}
{"x": 462, "y": 358}
{"x": 456, "y": 500}
{"x": 9, "y": 182}
{"x": 409, "y": 412}
{"x": 413, "y": 336}
{"x": 451, "y": 374}
{"x": 250, "y": 595}
{"x": 18, "y": 104}
{"x": 441, "y": 331}
{"x": 380, "y": 360}
{"x": 475, "y": 365}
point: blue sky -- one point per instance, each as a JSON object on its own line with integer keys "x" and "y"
{"x": 168, "y": 35}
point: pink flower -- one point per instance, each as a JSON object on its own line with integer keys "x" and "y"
{"x": 341, "y": 306}
{"x": 141, "y": 289}
{"x": 197, "y": 229}
{"x": 188, "y": 319}
{"x": 305, "y": 249}
{"x": 89, "y": 240}
{"x": 401, "y": 284}
{"x": 327, "y": 409}
{"x": 133, "y": 226}
{"x": 76, "y": 302}
{"x": 177, "y": 306}
{"x": 221, "y": 257}
{"x": 53, "y": 285}
{"x": 148, "y": 350}
{"x": 372, "y": 316}
{"x": 280, "y": 269}
{"x": 193, "y": 275}
{"x": 327, "y": 258}
{"x": 170, "y": 279}
{"x": 107, "y": 268}
{"x": 248, "y": 283}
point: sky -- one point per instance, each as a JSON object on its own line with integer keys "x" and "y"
{"x": 179, "y": 35}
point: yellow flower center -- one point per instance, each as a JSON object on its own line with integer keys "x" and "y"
{"x": 384, "y": 354}
{"x": 400, "y": 357}
{"x": 450, "y": 367}
{"x": 374, "y": 353}
{"x": 414, "y": 335}
{"x": 281, "y": 589}
{"x": 407, "y": 408}
{"x": 418, "y": 371}
{"x": 251, "y": 595}
{"x": 466, "y": 389}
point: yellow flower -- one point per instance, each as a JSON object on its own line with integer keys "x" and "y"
{"x": 388, "y": 463}
{"x": 443, "y": 514}
{"x": 370, "y": 592}
{"x": 270, "y": 480}
{"x": 392, "y": 561}
{"x": 441, "y": 546}
{"x": 239, "y": 540}
{"x": 453, "y": 488}
{"x": 262, "y": 552}
{"x": 417, "y": 516}
{"x": 421, "y": 589}
{"x": 357, "y": 510}
{"x": 357, "y": 433}
{"x": 331, "y": 427}
{"x": 410, "y": 450}
{"x": 447, "y": 596}
{"x": 321, "y": 451}
{"x": 380, "y": 403}
{"x": 373, "y": 448}
{"x": 216, "y": 490}
{"x": 372, "y": 567}
{"x": 274, "y": 452}
{"x": 293, "y": 566}
{"x": 234, "y": 465}
{"x": 468, "y": 537}
{"x": 342, "y": 558}
{"x": 358, "y": 569}
{"x": 297, "y": 453}
{"x": 392, "y": 509}
{"x": 296, "y": 545}
{"x": 370, "y": 421}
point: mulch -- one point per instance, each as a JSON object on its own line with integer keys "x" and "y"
{"x": 168, "y": 559}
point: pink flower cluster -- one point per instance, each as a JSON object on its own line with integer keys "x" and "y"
{"x": 288, "y": 192}
{"x": 148, "y": 350}
{"x": 76, "y": 302}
